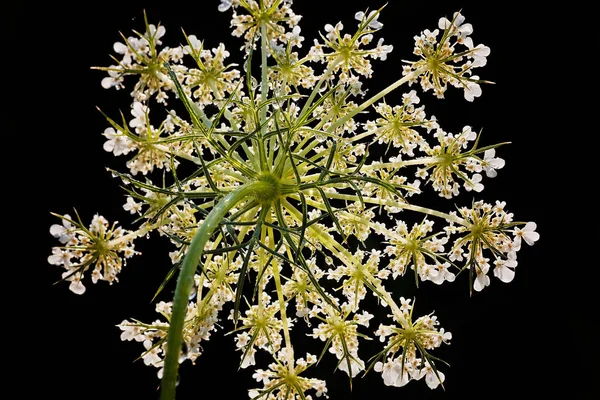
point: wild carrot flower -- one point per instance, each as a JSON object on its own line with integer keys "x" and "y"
{"x": 269, "y": 201}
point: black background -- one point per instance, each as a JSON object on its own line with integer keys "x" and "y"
{"x": 523, "y": 338}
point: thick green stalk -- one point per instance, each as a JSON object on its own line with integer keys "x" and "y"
{"x": 186, "y": 278}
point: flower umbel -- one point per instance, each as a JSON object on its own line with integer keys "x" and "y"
{"x": 270, "y": 185}
{"x": 100, "y": 247}
{"x": 449, "y": 60}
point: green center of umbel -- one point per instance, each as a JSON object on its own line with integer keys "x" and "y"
{"x": 269, "y": 189}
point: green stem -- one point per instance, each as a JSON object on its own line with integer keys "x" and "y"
{"x": 374, "y": 167}
{"x": 186, "y": 279}
{"x": 316, "y": 89}
{"x": 282, "y": 311}
{"x": 405, "y": 206}
{"x": 230, "y": 117}
{"x": 263, "y": 96}
{"x": 373, "y": 99}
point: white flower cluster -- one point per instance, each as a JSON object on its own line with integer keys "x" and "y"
{"x": 346, "y": 53}
{"x": 140, "y": 54}
{"x": 341, "y": 335}
{"x": 490, "y": 232}
{"x": 101, "y": 248}
{"x": 451, "y": 159}
{"x": 448, "y": 60}
{"x": 202, "y": 319}
{"x": 406, "y": 356}
{"x": 261, "y": 329}
{"x": 419, "y": 250}
{"x": 282, "y": 381}
{"x": 396, "y": 125}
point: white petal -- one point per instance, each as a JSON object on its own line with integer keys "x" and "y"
{"x": 359, "y": 15}
{"x": 497, "y": 163}
{"x": 120, "y": 48}
{"x": 355, "y": 366}
{"x": 482, "y": 51}
{"x": 137, "y": 109}
{"x": 160, "y": 32}
{"x": 481, "y": 281}
{"x": 491, "y": 172}
{"x": 55, "y": 259}
{"x": 479, "y": 62}
{"x": 444, "y": 23}
{"x": 473, "y": 90}
{"x": 225, "y": 4}
{"x": 465, "y": 30}
{"x": 57, "y": 230}
{"x": 432, "y": 380}
{"x": 458, "y": 19}
{"x": 109, "y": 133}
{"x": 77, "y": 287}
{"x": 531, "y": 237}
{"x": 108, "y": 82}
{"x": 109, "y": 145}
{"x": 530, "y": 226}
{"x": 503, "y": 273}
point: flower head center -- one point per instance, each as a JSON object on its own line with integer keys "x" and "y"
{"x": 433, "y": 63}
{"x": 269, "y": 189}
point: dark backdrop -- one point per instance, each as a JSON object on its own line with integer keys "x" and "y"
{"x": 511, "y": 339}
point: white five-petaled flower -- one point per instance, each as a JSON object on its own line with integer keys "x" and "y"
{"x": 479, "y": 54}
{"x": 356, "y": 365}
{"x": 482, "y": 280}
{"x": 152, "y": 356}
{"x": 391, "y": 373}
{"x": 504, "y": 269}
{"x": 527, "y": 233}
{"x": 75, "y": 278}
{"x": 431, "y": 378}
{"x": 474, "y": 183}
{"x": 194, "y": 45}
{"x": 60, "y": 257}
{"x": 294, "y": 36}
{"x": 261, "y": 376}
{"x": 410, "y": 98}
{"x": 62, "y": 232}
{"x": 132, "y": 206}
{"x": 333, "y": 31}
{"x": 125, "y": 51}
{"x": 117, "y": 143}
{"x": 491, "y": 163}
{"x": 114, "y": 79}
{"x": 156, "y": 33}
{"x": 140, "y": 113}
{"x": 373, "y": 24}
{"x": 464, "y": 30}
{"x": 472, "y": 90}
{"x": 131, "y": 332}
